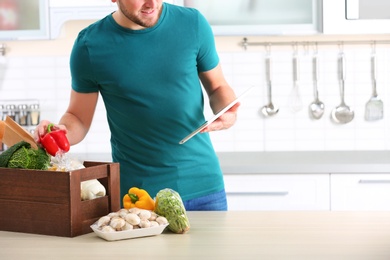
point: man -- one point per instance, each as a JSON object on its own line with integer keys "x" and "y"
{"x": 146, "y": 59}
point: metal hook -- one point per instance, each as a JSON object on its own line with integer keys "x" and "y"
{"x": 341, "y": 47}
{"x": 373, "y": 47}
{"x": 295, "y": 48}
{"x": 244, "y": 43}
{"x": 306, "y": 48}
{"x": 3, "y": 49}
{"x": 315, "y": 47}
{"x": 268, "y": 48}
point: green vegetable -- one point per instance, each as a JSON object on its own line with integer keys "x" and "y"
{"x": 6, "y": 155}
{"x": 170, "y": 205}
{"x": 25, "y": 157}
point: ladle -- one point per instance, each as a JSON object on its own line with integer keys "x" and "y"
{"x": 342, "y": 114}
{"x": 316, "y": 108}
{"x": 269, "y": 109}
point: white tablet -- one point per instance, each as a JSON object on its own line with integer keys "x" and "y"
{"x": 215, "y": 117}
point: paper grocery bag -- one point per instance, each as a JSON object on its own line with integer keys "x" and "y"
{"x": 12, "y": 133}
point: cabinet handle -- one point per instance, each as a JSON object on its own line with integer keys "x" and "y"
{"x": 374, "y": 181}
{"x": 258, "y": 193}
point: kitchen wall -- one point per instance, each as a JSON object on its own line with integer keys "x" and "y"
{"x": 39, "y": 70}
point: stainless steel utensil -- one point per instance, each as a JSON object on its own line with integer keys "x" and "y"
{"x": 342, "y": 114}
{"x": 269, "y": 109}
{"x": 316, "y": 108}
{"x": 295, "y": 97}
{"x": 374, "y": 106}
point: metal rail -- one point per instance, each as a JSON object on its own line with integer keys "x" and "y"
{"x": 245, "y": 43}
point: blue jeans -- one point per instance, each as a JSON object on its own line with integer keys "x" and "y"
{"x": 212, "y": 202}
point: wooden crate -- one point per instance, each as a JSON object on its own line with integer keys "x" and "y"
{"x": 49, "y": 203}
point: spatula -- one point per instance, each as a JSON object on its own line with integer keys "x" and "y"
{"x": 374, "y": 106}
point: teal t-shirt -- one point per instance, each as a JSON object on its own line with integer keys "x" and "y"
{"x": 148, "y": 80}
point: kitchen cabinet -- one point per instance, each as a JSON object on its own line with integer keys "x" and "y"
{"x": 259, "y": 17}
{"x": 65, "y": 10}
{"x": 24, "y": 20}
{"x": 78, "y": 3}
{"x": 277, "y": 191}
{"x": 335, "y": 13}
{"x": 43, "y": 19}
{"x": 327, "y": 180}
{"x": 351, "y": 191}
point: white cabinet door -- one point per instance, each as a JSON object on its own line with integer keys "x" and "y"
{"x": 335, "y": 22}
{"x": 278, "y": 191}
{"x": 63, "y": 11}
{"x": 254, "y": 17}
{"x": 83, "y": 3}
{"x": 78, "y": 3}
{"x": 24, "y": 20}
{"x": 360, "y": 191}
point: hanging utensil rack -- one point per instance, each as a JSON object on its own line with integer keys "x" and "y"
{"x": 245, "y": 43}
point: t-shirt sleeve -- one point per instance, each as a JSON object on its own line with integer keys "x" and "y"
{"x": 83, "y": 79}
{"x": 207, "y": 57}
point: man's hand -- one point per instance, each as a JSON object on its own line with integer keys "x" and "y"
{"x": 225, "y": 121}
{"x": 41, "y": 129}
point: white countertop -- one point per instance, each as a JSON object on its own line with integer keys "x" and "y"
{"x": 293, "y": 162}
{"x": 228, "y": 235}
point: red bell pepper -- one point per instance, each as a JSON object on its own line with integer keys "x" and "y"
{"x": 54, "y": 141}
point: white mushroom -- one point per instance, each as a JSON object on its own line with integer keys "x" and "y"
{"x": 153, "y": 216}
{"x": 113, "y": 214}
{"x": 117, "y": 223}
{"x": 123, "y": 212}
{"x": 108, "y": 229}
{"x": 154, "y": 223}
{"x": 144, "y": 214}
{"x": 132, "y": 219}
{"x": 127, "y": 226}
{"x": 144, "y": 223}
{"x": 161, "y": 220}
{"x": 134, "y": 210}
{"x": 103, "y": 221}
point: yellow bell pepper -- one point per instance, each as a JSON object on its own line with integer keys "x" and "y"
{"x": 138, "y": 198}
